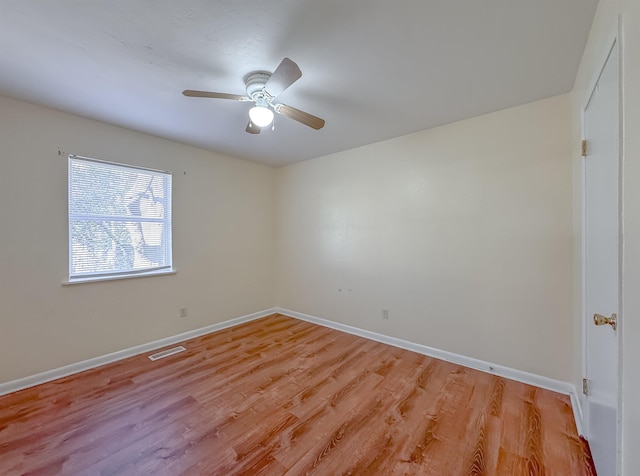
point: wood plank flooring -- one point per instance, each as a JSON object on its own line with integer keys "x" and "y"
{"x": 281, "y": 396}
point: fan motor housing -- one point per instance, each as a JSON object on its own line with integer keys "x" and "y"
{"x": 255, "y": 82}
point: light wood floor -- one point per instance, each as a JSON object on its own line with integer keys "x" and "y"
{"x": 282, "y": 396}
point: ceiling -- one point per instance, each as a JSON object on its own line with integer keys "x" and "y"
{"x": 373, "y": 69}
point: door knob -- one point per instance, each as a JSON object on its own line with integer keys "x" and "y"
{"x": 600, "y": 320}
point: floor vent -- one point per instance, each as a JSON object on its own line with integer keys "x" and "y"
{"x": 166, "y": 353}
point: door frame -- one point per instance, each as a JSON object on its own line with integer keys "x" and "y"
{"x": 613, "y": 41}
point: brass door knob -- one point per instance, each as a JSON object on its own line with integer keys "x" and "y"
{"x": 600, "y": 320}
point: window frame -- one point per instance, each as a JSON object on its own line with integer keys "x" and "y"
{"x": 166, "y": 220}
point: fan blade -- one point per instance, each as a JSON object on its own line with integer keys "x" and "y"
{"x": 252, "y": 128}
{"x": 208, "y": 94}
{"x": 284, "y": 76}
{"x": 300, "y": 116}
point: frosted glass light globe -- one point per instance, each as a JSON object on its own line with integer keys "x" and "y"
{"x": 261, "y": 116}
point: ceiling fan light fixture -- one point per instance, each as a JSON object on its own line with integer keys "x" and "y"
{"x": 261, "y": 116}
{"x": 262, "y": 89}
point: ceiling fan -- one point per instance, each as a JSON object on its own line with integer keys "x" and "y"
{"x": 262, "y": 89}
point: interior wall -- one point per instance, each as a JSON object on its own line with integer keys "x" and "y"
{"x": 223, "y": 243}
{"x": 463, "y": 232}
{"x": 611, "y": 14}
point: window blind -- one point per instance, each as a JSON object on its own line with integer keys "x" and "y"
{"x": 119, "y": 219}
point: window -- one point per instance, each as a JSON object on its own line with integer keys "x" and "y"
{"x": 119, "y": 220}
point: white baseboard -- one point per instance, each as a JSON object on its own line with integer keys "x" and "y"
{"x": 576, "y": 406}
{"x": 558, "y": 386}
{"x": 506, "y": 372}
{"x": 37, "y": 379}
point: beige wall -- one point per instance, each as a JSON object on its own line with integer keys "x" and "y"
{"x": 463, "y": 232}
{"x": 223, "y": 234}
{"x": 605, "y": 27}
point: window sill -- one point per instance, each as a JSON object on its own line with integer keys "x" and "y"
{"x": 83, "y": 280}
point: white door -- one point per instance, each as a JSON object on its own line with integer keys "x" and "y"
{"x": 602, "y": 286}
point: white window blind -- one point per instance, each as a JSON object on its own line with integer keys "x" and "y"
{"x": 119, "y": 219}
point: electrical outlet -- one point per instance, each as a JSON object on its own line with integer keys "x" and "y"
{"x": 385, "y": 313}
{"x": 183, "y": 311}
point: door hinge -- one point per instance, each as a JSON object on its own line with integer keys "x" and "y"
{"x": 584, "y": 147}
{"x": 585, "y": 386}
